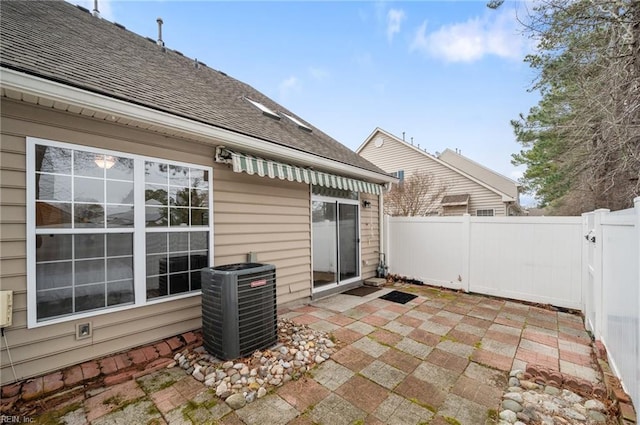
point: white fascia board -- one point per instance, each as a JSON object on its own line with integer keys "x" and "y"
{"x": 42, "y": 87}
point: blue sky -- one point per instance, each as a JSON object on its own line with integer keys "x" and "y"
{"x": 450, "y": 74}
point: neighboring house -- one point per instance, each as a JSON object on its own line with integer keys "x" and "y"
{"x": 126, "y": 167}
{"x": 470, "y": 187}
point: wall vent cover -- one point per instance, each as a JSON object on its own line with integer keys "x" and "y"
{"x": 239, "y": 313}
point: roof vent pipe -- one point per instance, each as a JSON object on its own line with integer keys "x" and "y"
{"x": 403, "y": 136}
{"x": 95, "y": 12}
{"x": 160, "y": 42}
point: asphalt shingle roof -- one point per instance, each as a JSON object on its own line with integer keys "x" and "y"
{"x": 61, "y": 42}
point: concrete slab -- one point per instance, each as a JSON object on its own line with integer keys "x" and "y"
{"x": 271, "y": 410}
{"x": 335, "y": 410}
{"x": 370, "y": 347}
{"x": 383, "y": 374}
{"x": 396, "y": 410}
{"x": 143, "y": 412}
{"x": 414, "y": 348}
{"x": 331, "y": 374}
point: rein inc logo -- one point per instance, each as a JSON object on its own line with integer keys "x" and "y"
{"x": 15, "y": 419}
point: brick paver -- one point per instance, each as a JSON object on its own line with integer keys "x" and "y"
{"x": 442, "y": 358}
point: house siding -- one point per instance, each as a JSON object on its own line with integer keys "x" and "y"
{"x": 270, "y": 217}
{"x": 369, "y": 235}
{"x": 394, "y": 155}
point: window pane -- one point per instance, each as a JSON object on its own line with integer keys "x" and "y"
{"x": 53, "y": 160}
{"x": 199, "y": 178}
{"x": 89, "y": 271}
{"x": 53, "y": 247}
{"x": 53, "y": 275}
{"x": 199, "y": 217}
{"x": 199, "y": 240}
{"x": 119, "y": 244}
{"x": 179, "y": 216}
{"x": 54, "y": 303}
{"x": 156, "y": 287}
{"x": 89, "y": 297}
{"x": 156, "y": 242}
{"x": 54, "y": 215}
{"x": 53, "y": 188}
{"x": 179, "y": 196}
{"x": 122, "y": 169}
{"x": 178, "y": 242}
{"x": 88, "y": 190}
{"x": 196, "y": 280}
{"x": 120, "y": 293}
{"x": 119, "y": 216}
{"x": 156, "y": 217}
{"x": 178, "y": 263}
{"x": 119, "y": 268}
{"x": 156, "y": 264}
{"x": 155, "y": 195}
{"x": 120, "y": 192}
{"x": 88, "y": 215}
{"x": 89, "y": 246}
{"x": 178, "y": 283}
{"x": 155, "y": 172}
{"x": 199, "y": 260}
{"x": 84, "y": 164}
{"x": 199, "y": 198}
{"x": 178, "y": 176}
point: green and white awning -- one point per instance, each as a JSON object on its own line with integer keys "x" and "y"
{"x": 243, "y": 163}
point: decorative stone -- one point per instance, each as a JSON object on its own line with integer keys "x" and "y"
{"x": 551, "y": 390}
{"x": 514, "y": 382}
{"x": 517, "y": 397}
{"x": 236, "y": 401}
{"x": 511, "y": 405}
{"x": 594, "y": 405}
{"x": 596, "y": 416}
{"x": 261, "y": 392}
{"x": 508, "y": 416}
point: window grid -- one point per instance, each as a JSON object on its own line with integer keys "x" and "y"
{"x": 485, "y": 213}
{"x": 118, "y": 190}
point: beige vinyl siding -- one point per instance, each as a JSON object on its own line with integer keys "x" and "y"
{"x": 268, "y": 216}
{"x": 394, "y": 156}
{"x": 369, "y": 235}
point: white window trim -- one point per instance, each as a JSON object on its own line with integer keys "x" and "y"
{"x": 139, "y": 245}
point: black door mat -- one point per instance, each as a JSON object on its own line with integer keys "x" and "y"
{"x": 362, "y": 291}
{"x": 398, "y": 297}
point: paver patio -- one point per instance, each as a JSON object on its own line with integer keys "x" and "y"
{"x": 441, "y": 358}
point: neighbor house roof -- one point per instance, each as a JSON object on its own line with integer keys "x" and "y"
{"x": 507, "y": 196}
{"x": 63, "y": 43}
{"x": 479, "y": 171}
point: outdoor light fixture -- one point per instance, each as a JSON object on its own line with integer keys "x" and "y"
{"x": 366, "y": 204}
{"x": 105, "y": 161}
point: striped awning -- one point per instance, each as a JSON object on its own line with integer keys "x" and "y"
{"x": 244, "y": 163}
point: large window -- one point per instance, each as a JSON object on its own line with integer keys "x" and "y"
{"x": 109, "y": 230}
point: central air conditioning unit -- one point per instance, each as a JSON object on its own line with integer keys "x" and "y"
{"x": 239, "y": 314}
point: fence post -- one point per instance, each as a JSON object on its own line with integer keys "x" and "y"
{"x": 466, "y": 252}
{"x": 598, "y": 304}
{"x": 636, "y": 204}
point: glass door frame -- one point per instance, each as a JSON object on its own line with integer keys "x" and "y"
{"x": 338, "y": 282}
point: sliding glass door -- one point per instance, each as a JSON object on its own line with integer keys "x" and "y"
{"x": 336, "y": 242}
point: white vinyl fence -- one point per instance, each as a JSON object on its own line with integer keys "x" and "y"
{"x": 611, "y": 273}
{"x": 526, "y": 258}
{"x": 590, "y": 263}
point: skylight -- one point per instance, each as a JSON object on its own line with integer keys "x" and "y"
{"x": 299, "y": 123}
{"x": 265, "y": 111}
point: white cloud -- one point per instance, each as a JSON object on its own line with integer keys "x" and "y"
{"x": 104, "y": 6}
{"x": 394, "y": 21}
{"x": 289, "y": 86}
{"x": 495, "y": 33}
{"x": 318, "y": 74}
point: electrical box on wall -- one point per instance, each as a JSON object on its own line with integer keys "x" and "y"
{"x": 6, "y": 308}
